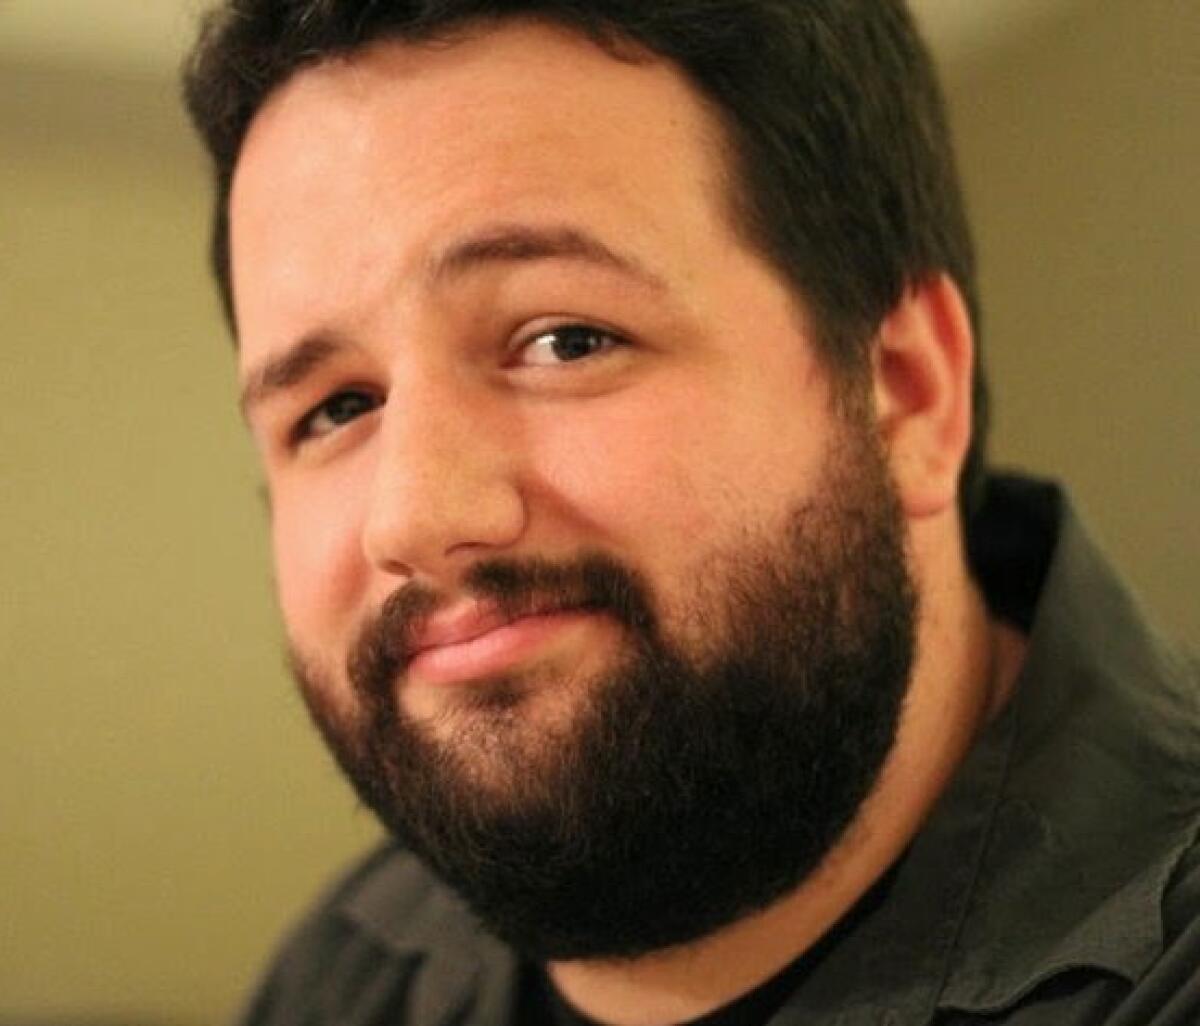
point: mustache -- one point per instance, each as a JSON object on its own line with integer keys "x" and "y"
{"x": 592, "y": 582}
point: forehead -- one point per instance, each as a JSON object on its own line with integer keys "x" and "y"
{"x": 400, "y": 145}
{"x": 503, "y": 70}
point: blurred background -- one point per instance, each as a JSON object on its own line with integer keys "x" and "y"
{"x": 164, "y": 808}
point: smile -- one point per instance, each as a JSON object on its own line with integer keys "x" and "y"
{"x": 477, "y": 644}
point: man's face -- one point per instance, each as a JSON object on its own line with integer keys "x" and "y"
{"x": 547, "y": 445}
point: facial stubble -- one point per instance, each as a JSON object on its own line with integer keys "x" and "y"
{"x": 699, "y": 778}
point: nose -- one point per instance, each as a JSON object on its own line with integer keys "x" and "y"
{"x": 445, "y": 490}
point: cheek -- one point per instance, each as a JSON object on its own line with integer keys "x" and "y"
{"x": 319, "y": 566}
{"x": 645, "y": 476}
{"x": 667, "y": 476}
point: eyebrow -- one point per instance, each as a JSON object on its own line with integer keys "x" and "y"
{"x": 288, "y": 369}
{"x": 496, "y": 245}
{"x": 508, "y": 244}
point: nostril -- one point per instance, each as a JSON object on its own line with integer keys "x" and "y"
{"x": 396, "y": 567}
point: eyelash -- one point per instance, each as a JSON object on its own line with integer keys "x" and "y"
{"x": 303, "y": 430}
{"x": 578, "y": 328}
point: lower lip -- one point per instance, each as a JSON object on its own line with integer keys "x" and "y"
{"x": 492, "y": 654}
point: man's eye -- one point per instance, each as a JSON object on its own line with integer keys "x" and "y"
{"x": 332, "y": 413}
{"x": 568, "y": 343}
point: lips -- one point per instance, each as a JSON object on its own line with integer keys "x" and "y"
{"x": 475, "y": 641}
{"x": 458, "y": 625}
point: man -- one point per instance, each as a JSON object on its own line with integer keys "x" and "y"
{"x": 613, "y": 371}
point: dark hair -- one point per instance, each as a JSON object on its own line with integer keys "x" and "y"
{"x": 842, "y": 169}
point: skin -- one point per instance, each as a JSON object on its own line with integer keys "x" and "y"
{"x": 704, "y": 410}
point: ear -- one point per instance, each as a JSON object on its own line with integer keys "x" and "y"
{"x": 922, "y": 365}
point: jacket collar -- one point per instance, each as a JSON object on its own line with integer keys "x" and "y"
{"x": 1098, "y": 799}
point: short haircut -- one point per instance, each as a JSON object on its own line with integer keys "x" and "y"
{"x": 840, "y": 165}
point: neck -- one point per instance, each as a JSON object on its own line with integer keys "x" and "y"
{"x": 964, "y": 669}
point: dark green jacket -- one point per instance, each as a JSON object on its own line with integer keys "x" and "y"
{"x": 1057, "y": 882}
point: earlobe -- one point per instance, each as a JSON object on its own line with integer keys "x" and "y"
{"x": 922, "y": 368}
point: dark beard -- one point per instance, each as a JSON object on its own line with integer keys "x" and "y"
{"x": 692, "y": 785}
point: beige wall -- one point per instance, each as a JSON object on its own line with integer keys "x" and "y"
{"x": 163, "y": 806}
{"x": 1081, "y": 149}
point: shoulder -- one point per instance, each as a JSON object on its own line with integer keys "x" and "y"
{"x": 388, "y": 944}
{"x": 1096, "y": 824}
{"x": 1168, "y": 994}
{"x": 331, "y": 961}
